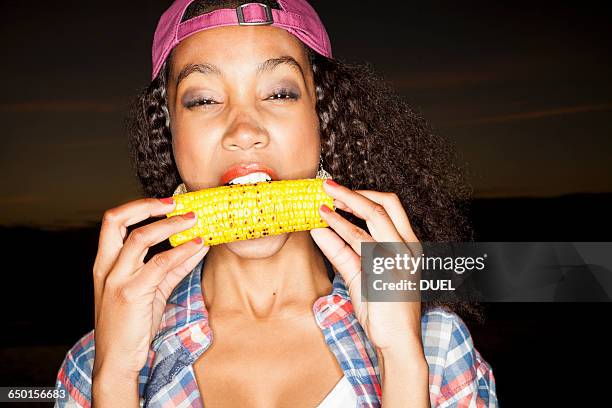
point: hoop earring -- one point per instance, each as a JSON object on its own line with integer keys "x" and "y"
{"x": 181, "y": 189}
{"x": 322, "y": 173}
{"x": 164, "y": 109}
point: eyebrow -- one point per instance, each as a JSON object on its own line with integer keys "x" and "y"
{"x": 266, "y": 66}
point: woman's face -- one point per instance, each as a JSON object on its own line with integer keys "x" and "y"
{"x": 242, "y": 101}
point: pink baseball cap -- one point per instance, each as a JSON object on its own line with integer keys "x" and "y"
{"x": 296, "y": 16}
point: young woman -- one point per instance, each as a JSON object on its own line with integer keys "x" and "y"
{"x": 276, "y": 321}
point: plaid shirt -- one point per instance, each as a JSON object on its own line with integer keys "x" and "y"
{"x": 458, "y": 375}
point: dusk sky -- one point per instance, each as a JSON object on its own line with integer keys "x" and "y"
{"x": 523, "y": 90}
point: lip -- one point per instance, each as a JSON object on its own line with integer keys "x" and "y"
{"x": 243, "y": 169}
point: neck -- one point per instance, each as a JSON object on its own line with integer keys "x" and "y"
{"x": 282, "y": 286}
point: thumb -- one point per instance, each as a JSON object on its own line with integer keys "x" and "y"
{"x": 342, "y": 257}
{"x": 177, "y": 274}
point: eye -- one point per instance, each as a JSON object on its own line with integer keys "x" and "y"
{"x": 200, "y": 102}
{"x": 282, "y": 94}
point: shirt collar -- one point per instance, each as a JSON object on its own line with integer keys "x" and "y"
{"x": 185, "y": 309}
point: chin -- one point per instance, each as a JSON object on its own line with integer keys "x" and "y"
{"x": 258, "y": 248}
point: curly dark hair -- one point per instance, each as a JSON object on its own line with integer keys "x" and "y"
{"x": 371, "y": 139}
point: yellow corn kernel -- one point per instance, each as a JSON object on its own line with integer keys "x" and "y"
{"x": 238, "y": 212}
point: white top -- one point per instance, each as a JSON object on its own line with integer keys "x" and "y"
{"x": 342, "y": 395}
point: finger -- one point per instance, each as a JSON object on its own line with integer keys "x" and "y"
{"x": 141, "y": 239}
{"x": 114, "y": 228}
{"x": 378, "y": 221}
{"x": 177, "y": 274}
{"x": 341, "y": 256}
{"x": 398, "y": 217}
{"x": 396, "y": 211}
{"x": 393, "y": 206}
{"x": 112, "y": 234}
{"x": 159, "y": 266}
{"x": 348, "y": 231}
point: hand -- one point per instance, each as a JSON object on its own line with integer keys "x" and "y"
{"x": 394, "y": 328}
{"x": 130, "y": 295}
{"x": 390, "y": 326}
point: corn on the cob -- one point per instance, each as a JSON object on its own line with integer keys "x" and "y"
{"x": 238, "y": 212}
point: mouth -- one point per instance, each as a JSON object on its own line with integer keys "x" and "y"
{"x": 247, "y": 174}
{"x": 251, "y": 178}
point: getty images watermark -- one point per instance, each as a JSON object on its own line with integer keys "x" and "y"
{"x": 487, "y": 271}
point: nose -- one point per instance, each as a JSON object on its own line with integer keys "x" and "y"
{"x": 245, "y": 134}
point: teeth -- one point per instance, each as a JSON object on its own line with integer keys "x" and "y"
{"x": 251, "y": 178}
